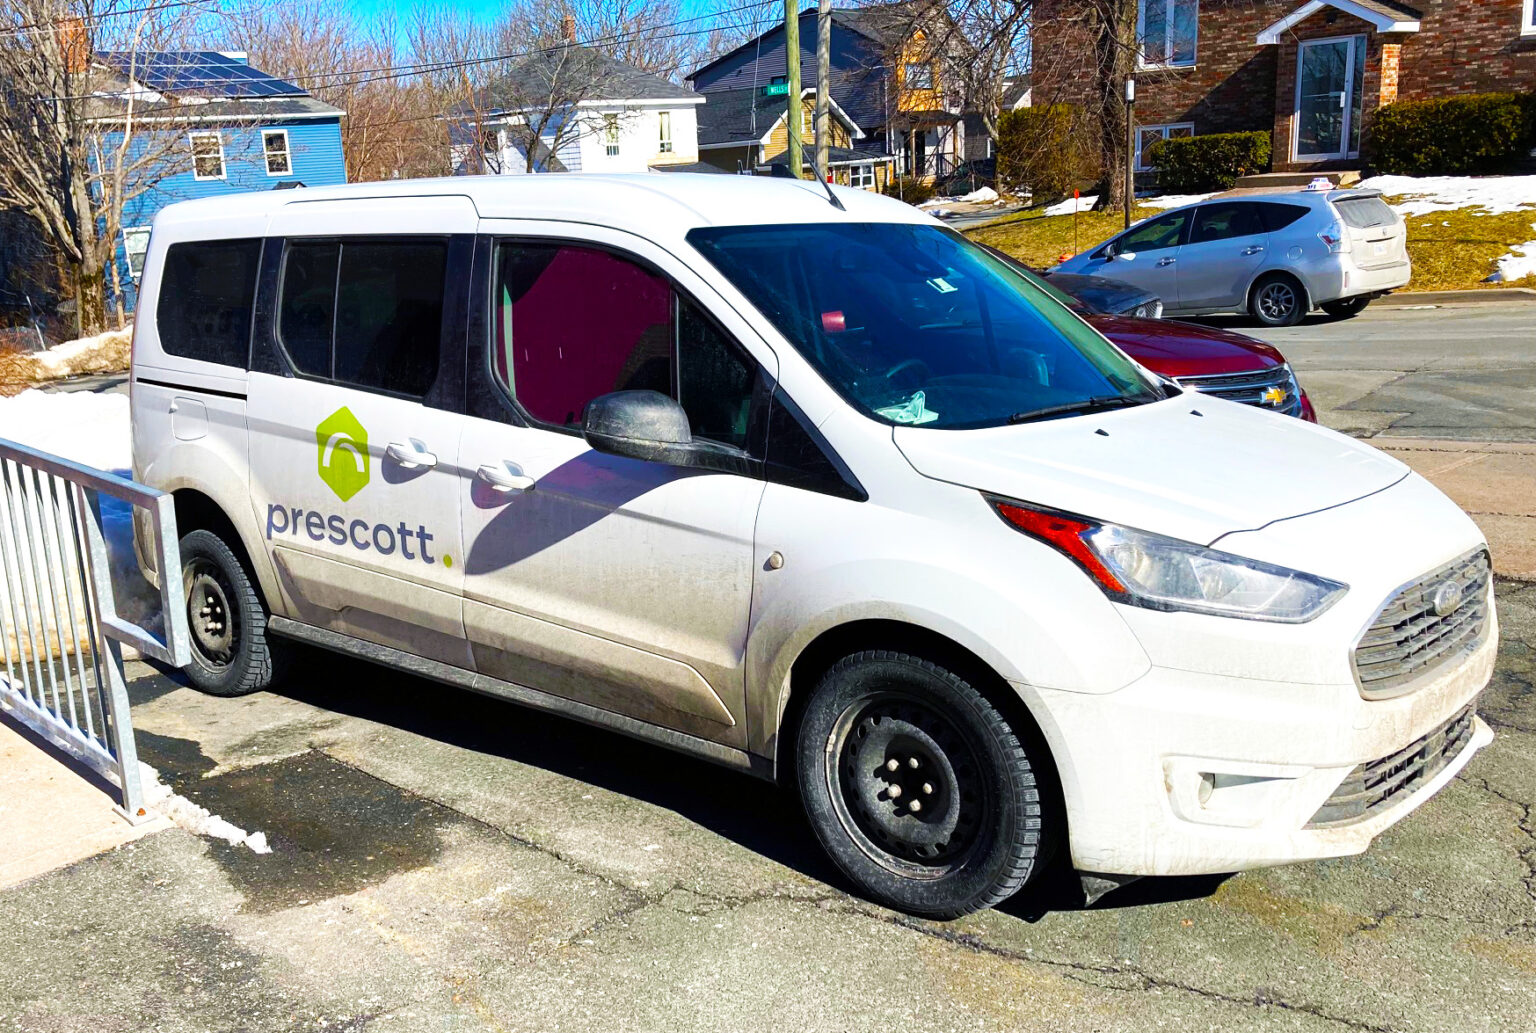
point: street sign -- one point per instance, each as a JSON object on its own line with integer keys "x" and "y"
{"x": 776, "y": 89}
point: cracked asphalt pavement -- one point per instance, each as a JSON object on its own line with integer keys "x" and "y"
{"x": 443, "y": 861}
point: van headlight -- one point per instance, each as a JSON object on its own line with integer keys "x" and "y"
{"x": 1160, "y": 573}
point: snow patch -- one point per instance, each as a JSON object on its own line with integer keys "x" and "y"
{"x": 83, "y": 426}
{"x": 1073, "y": 204}
{"x": 984, "y": 195}
{"x": 1519, "y": 263}
{"x": 1171, "y": 200}
{"x": 1424, "y": 194}
{"x": 195, "y": 819}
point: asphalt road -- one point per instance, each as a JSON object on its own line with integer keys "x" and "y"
{"x": 1465, "y": 372}
{"x": 447, "y": 862}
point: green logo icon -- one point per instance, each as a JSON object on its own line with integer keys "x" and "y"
{"x": 343, "y": 453}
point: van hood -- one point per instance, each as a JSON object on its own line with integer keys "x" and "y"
{"x": 1191, "y": 467}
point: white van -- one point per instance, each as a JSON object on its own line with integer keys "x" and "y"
{"x": 800, "y": 481}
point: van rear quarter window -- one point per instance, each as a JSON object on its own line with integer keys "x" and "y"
{"x": 207, "y": 295}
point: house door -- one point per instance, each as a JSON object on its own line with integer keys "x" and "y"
{"x": 1330, "y": 74}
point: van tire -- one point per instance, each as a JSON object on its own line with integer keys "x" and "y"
{"x": 1277, "y": 299}
{"x": 231, "y": 651}
{"x": 1347, "y": 308}
{"x": 883, "y": 730}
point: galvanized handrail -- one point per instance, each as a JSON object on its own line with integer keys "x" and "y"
{"x": 60, "y": 630}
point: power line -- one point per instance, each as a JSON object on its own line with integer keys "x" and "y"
{"x": 39, "y": 27}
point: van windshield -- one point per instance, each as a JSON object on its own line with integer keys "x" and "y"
{"x": 915, "y": 325}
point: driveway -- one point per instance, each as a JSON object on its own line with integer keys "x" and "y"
{"x": 1463, "y": 372}
{"x": 443, "y": 861}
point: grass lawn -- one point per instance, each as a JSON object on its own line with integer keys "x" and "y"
{"x": 1451, "y": 250}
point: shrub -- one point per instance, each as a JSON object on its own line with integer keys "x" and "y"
{"x": 912, "y": 191}
{"x": 1452, "y": 136}
{"x": 1043, "y": 150}
{"x": 1206, "y": 164}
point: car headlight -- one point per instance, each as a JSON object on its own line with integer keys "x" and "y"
{"x": 1143, "y": 569}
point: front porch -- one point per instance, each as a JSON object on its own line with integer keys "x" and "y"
{"x": 1337, "y": 62}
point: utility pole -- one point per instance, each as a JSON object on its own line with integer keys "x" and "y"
{"x": 1130, "y": 147}
{"x": 794, "y": 112}
{"x": 824, "y": 87}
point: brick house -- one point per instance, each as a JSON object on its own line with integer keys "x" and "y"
{"x": 1311, "y": 72}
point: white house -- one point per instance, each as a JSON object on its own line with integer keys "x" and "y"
{"x": 580, "y": 111}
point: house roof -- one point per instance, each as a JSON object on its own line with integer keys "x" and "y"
{"x": 738, "y": 117}
{"x": 883, "y": 24}
{"x": 1014, "y": 90}
{"x": 835, "y": 156}
{"x": 197, "y": 86}
{"x": 1383, "y": 15}
{"x": 575, "y": 74}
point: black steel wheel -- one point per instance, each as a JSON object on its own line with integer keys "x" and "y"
{"x": 917, "y": 786}
{"x": 231, "y": 651}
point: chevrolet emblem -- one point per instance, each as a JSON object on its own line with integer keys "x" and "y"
{"x": 1272, "y": 396}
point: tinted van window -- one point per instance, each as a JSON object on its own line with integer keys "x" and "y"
{"x": 1225, "y": 221}
{"x": 207, "y": 293}
{"x": 365, "y": 312}
{"x": 571, "y": 323}
{"x": 1277, "y": 215}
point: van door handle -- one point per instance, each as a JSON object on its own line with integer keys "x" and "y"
{"x": 1167, "y": 261}
{"x": 410, "y": 455}
{"x": 501, "y": 478}
{"x": 1252, "y": 250}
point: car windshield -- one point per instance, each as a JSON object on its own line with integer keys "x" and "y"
{"x": 915, "y": 325}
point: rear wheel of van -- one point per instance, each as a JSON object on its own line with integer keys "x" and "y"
{"x": 917, "y": 787}
{"x": 1345, "y": 308}
{"x": 1277, "y": 300}
{"x": 231, "y": 653}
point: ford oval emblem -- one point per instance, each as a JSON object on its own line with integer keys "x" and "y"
{"x": 1447, "y": 598}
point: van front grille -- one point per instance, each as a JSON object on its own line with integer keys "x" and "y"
{"x": 1430, "y": 622}
{"x": 1274, "y": 388}
{"x": 1377, "y": 785}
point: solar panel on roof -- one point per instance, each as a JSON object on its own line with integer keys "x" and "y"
{"x": 200, "y": 72}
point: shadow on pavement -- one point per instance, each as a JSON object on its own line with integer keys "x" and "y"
{"x": 757, "y": 815}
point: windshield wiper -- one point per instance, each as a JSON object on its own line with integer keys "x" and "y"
{"x": 1087, "y": 405}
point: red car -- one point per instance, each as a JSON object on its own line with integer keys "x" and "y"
{"x": 1202, "y": 358}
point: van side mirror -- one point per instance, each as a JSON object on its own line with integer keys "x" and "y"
{"x": 644, "y": 425}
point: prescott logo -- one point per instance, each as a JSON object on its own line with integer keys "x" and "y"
{"x": 343, "y": 445}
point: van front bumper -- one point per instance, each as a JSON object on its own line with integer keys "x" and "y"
{"x": 1184, "y": 773}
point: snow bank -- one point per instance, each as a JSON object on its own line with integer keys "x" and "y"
{"x": 105, "y": 353}
{"x": 1424, "y": 194}
{"x": 1171, "y": 200}
{"x": 985, "y": 195}
{"x": 1519, "y": 263}
{"x": 1073, "y": 204}
{"x": 83, "y": 426}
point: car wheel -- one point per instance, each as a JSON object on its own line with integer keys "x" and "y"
{"x": 227, "y": 621}
{"x": 917, "y": 787}
{"x": 1344, "y": 308}
{"x": 1277, "y": 301}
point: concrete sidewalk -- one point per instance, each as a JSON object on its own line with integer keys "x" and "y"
{"x": 1494, "y": 481}
{"x": 50, "y": 814}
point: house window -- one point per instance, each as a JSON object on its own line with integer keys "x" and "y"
{"x": 207, "y": 156}
{"x": 611, "y": 134}
{"x": 1167, "y": 31}
{"x": 862, "y": 176}
{"x": 274, "y": 143}
{"x": 665, "y": 118}
{"x": 135, "y": 244}
{"x": 1528, "y": 19}
{"x": 919, "y": 75}
{"x": 1146, "y": 136}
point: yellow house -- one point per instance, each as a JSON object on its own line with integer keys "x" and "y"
{"x": 747, "y": 131}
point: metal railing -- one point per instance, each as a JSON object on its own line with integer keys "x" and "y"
{"x": 61, "y": 631}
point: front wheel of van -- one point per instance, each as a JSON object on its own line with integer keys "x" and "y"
{"x": 231, "y": 652}
{"x": 917, "y": 787}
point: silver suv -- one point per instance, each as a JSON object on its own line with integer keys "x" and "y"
{"x": 1276, "y": 256}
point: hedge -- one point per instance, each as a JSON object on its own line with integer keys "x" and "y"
{"x": 1206, "y": 164}
{"x": 1042, "y": 150}
{"x": 908, "y": 189}
{"x": 1476, "y": 134}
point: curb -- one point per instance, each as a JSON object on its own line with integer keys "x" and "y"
{"x": 1492, "y": 295}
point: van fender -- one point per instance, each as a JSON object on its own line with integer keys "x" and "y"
{"x": 1022, "y": 642}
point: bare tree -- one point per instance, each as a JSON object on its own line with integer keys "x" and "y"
{"x": 80, "y": 138}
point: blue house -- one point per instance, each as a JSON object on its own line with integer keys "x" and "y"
{"x": 209, "y": 124}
